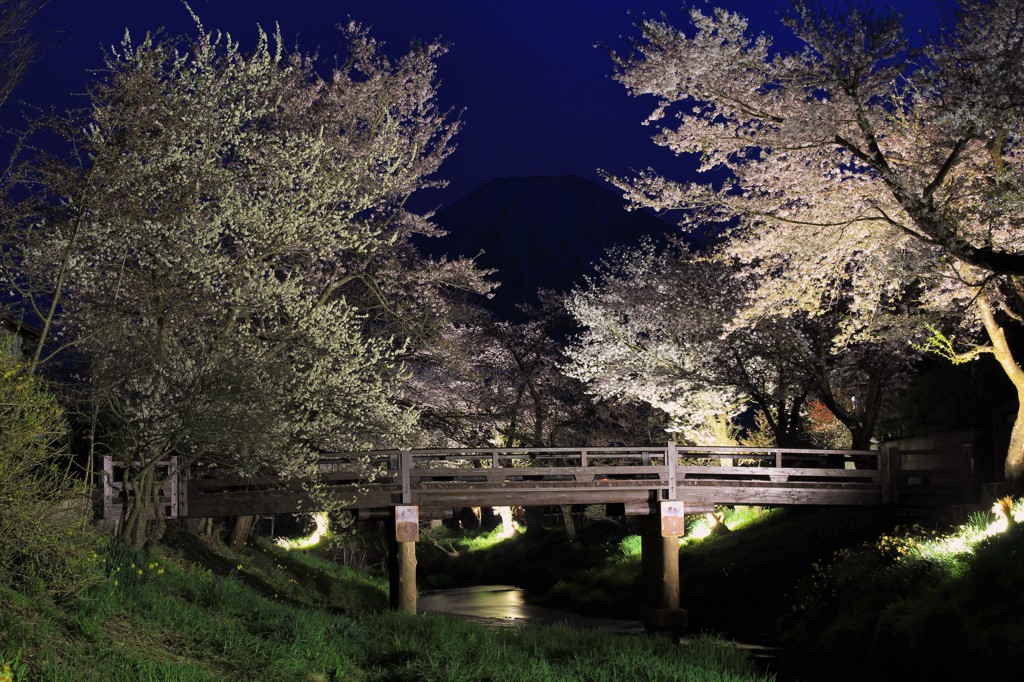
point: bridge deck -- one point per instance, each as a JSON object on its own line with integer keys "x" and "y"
{"x": 437, "y": 481}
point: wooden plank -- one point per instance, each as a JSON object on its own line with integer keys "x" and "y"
{"x": 521, "y": 496}
{"x": 207, "y": 485}
{"x": 717, "y": 451}
{"x": 672, "y": 464}
{"x": 778, "y": 496}
{"x": 951, "y": 474}
{"x": 173, "y": 488}
{"x": 596, "y": 471}
{"x": 238, "y": 504}
{"x": 821, "y": 485}
{"x": 769, "y": 472}
{"x": 108, "y": 491}
{"x": 183, "y": 492}
{"x": 538, "y": 485}
{"x": 405, "y": 466}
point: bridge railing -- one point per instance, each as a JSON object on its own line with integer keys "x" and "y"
{"x": 439, "y": 477}
{"x": 765, "y": 456}
{"x": 497, "y": 458}
{"x": 432, "y": 474}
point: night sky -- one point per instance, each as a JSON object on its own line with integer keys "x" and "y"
{"x": 536, "y": 92}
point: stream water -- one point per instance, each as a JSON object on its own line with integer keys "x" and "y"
{"x": 506, "y": 605}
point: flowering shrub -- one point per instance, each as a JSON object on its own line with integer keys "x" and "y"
{"x": 45, "y": 540}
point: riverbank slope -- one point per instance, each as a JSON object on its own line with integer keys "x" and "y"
{"x": 846, "y": 594}
{"x": 194, "y": 611}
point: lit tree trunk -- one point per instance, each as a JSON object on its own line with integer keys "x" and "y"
{"x": 1014, "y": 469}
{"x": 240, "y": 531}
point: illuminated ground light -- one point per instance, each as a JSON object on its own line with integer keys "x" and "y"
{"x": 706, "y": 526}
{"x": 964, "y": 540}
{"x": 508, "y": 525}
{"x": 321, "y": 532}
{"x": 1005, "y": 509}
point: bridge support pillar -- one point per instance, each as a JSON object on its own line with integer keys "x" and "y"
{"x": 659, "y": 560}
{"x": 403, "y": 532}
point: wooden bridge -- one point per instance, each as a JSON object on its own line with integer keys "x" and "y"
{"x": 661, "y": 483}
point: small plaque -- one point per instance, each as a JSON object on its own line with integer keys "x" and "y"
{"x": 407, "y": 524}
{"x": 673, "y": 520}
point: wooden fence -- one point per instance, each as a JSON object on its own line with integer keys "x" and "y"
{"x": 173, "y": 499}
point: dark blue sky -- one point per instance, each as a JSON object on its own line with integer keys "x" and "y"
{"x": 537, "y": 94}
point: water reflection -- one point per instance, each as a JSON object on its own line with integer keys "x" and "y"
{"x": 506, "y": 605}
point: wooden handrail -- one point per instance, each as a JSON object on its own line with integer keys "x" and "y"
{"x": 440, "y": 477}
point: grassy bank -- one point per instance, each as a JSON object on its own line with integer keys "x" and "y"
{"x": 264, "y": 614}
{"x": 848, "y": 594}
{"x": 915, "y": 603}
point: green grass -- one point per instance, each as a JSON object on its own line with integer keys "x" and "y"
{"x": 735, "y": 583}
{"x": 849, "y": 596}
{"x": 533, "y": 561}
{"x": 915, "y": 603}
{"x": 450, "y": 649}
{"x": 849, "y": 602}
{"x": 849, "y": 593}
{"x": 264, "y": 614}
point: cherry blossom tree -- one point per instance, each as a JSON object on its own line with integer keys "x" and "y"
{"x": 486, "y": 382}
{"x": 861, "y": 170}
{"x": 651, "y": 334}
{"x": 658, "y": 328}
{"x": 17, "y": 45}
{"x": 224, "y": 246}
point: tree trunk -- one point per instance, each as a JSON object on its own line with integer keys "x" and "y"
{"x": 202, "y": 527}
{"x": 534, "y": 517}
{"x": 1014, "y": 469}
{"x": 240, "y": 531}
{"x": 134, "y": 528}
{"x": 570, "y": 523}
{"x": 860, "y": 436}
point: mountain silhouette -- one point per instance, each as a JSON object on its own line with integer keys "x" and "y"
{"x": 539, "y": 232}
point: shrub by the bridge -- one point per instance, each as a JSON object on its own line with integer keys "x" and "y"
{"x": 45, "y": 539}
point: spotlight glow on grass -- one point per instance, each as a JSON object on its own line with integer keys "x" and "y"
{"x": 508, "y": 525}
{"x": 1007, "y": 510}
{"x": 702, "y": 529}
{"x": 965, "y": 537}
{"x": 321, "y": 532}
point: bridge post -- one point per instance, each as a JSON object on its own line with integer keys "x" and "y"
{"x": 659, "y": 561}
{"x": 404, "y": 532}
{"x": 405, "y": 468}
{"x": 968, "y": 464}
{"x": 671, "y": 462}
{"x": 889, "y": 465}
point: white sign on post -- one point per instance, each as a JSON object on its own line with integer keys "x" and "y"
{"x": 673, "y": 519}
{"x": 407, "y": 524}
